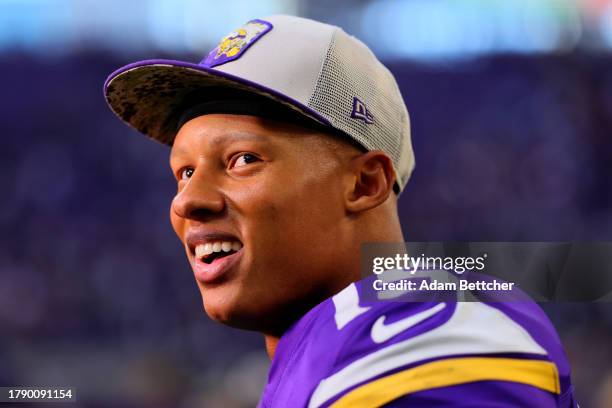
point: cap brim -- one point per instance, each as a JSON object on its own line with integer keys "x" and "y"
{"x": 147, "y": 94}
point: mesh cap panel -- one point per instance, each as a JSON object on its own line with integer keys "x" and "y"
{"x": 349, "y": 71}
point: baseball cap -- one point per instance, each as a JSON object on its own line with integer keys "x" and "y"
{"x": 312, "y": 69}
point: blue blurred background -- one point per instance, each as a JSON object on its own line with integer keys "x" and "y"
{"x": 511, "y": 106}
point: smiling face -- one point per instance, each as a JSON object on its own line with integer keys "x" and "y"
{"x": 261, "y": 211}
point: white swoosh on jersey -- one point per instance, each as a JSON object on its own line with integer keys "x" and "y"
{"x": 382, "y": 332}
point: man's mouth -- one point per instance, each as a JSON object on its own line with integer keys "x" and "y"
{"x": 211, "y": 251}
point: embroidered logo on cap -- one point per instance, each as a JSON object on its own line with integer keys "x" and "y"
{"x": 235, "y": 43}
{"x": 361, "y": 112}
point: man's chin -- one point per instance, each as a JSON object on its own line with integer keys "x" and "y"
{"x": 233, "y": 318}
{"x": 244, "y": 316}
{"x": 253, "y": 315}
{"x": 228, "y": 310}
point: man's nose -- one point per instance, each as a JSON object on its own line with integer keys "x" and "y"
{"x": 198, "y": 200}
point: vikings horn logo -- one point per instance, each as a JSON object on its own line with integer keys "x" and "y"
{"x": 235, "y": 43}
{"x": 232, "y": 44}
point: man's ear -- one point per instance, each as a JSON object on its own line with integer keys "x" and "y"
{"x": 373, "y": 180}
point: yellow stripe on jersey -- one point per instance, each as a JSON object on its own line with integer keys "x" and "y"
{"x": 453, "y": 371}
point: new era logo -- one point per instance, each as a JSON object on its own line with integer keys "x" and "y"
{"x": 361, "y": 112}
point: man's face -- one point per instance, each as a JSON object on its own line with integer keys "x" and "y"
{"x": 271, "y": 197}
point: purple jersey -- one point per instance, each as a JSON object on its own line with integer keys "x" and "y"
{"x": 348, "y": 352}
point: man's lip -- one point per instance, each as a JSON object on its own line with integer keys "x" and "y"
{"x": 209, "y": 273}
{"x": 195, "y": 237}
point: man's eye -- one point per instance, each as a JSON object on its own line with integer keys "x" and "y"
{"x": 186, "y": 173}
{"x": 243, "y": 159}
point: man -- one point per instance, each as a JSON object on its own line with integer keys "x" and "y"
{"x": 290, "y": 145}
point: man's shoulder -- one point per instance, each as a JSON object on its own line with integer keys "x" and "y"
{"x": 435, "y": 327}
{"x": 347, "y": 348}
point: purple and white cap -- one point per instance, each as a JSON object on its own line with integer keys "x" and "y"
{"x": 316, "y": 69}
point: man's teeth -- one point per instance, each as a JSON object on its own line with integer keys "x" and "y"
{"x": 203, "y": 250}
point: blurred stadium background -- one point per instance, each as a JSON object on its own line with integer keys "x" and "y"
{"x": 511, "y": 106}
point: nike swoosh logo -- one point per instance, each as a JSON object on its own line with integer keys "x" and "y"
{"x": 382, "y": 332}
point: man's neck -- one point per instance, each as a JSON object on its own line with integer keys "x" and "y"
{"x": 341, "y": 282}
{"x": 272, "y": 340}
{"x": 271, "y": 343}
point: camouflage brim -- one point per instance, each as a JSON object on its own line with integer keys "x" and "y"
{"x": 147, "y": 95}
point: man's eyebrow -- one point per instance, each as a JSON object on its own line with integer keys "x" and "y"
{"x": 235, "y": 136}
{"x": 218, "y": 139}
